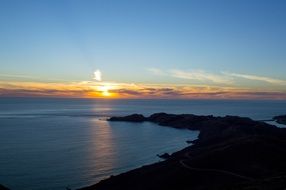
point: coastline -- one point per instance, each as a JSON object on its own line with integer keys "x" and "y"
{"x": 226, "y": 140}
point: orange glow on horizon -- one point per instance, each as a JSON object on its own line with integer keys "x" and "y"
{"x": 105, "y": 91}
{"x": 110, "y": 90}
{"x": 102, "y": 90}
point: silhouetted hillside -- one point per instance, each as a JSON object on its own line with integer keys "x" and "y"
{"x": 230, "y": 153}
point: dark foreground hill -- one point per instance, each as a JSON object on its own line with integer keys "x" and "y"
{"x": 3, "y": 188}
{"x": 230, "y": 153}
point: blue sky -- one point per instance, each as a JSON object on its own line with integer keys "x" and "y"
{"x": 56, "y": 40}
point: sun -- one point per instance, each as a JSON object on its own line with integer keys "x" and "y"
{"x": 105, "y": 90}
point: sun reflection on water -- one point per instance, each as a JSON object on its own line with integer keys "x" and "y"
{"x": 102, "y": 151}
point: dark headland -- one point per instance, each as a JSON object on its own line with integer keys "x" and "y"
{"x": 230, "y": 153}
{"x": 280, "y": 119}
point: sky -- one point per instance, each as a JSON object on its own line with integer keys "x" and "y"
{"x": 196, "y": 49}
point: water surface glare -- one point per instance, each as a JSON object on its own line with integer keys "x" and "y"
{"x": 59, "y": 152}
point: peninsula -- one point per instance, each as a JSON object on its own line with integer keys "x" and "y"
{"x": 230, "y": 153}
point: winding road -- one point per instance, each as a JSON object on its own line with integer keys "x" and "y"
{"x": 183, "y": 164}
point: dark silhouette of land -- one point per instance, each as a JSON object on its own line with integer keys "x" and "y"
{"x": 3, "y": 188}
{"x": 230, "y": 153}
{"x": 280, "y": 119}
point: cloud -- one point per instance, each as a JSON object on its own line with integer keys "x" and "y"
{"x": 8, "y": 77}
{"x": 128, "y": 92}
{"x": 257, "y": 78}
{"x": 205, "y": 77}
{"x": 92, "y": 89}
{"x": 202, "y": 76}
{"x": 41, "y": 89}
{"x": 199, "y": 92}
{"x": 156, "y": 71}
{"x": 97, "y": 75}
{"x": 195, "y": 75}
{"x": 147, "y": 92}
{"x": 42, "y": 93}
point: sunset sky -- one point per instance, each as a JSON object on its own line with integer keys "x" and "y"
{"x": 196, "y": 49}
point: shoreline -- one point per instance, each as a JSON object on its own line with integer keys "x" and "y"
{"x": 218, "y": 136}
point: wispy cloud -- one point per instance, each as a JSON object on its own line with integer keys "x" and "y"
{"x": 195, "y": 75}
{"x": 156, "y": 71}
{"x": 17, "y": 76}
{"x": 257, "y": 78}
{"x": 28, "y": 78}
{"x": 202, "y": 76}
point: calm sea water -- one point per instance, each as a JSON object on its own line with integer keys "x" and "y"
{"x": 57, "y": 143}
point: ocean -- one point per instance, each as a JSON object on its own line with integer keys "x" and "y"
{"x": 50, "y": 143}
